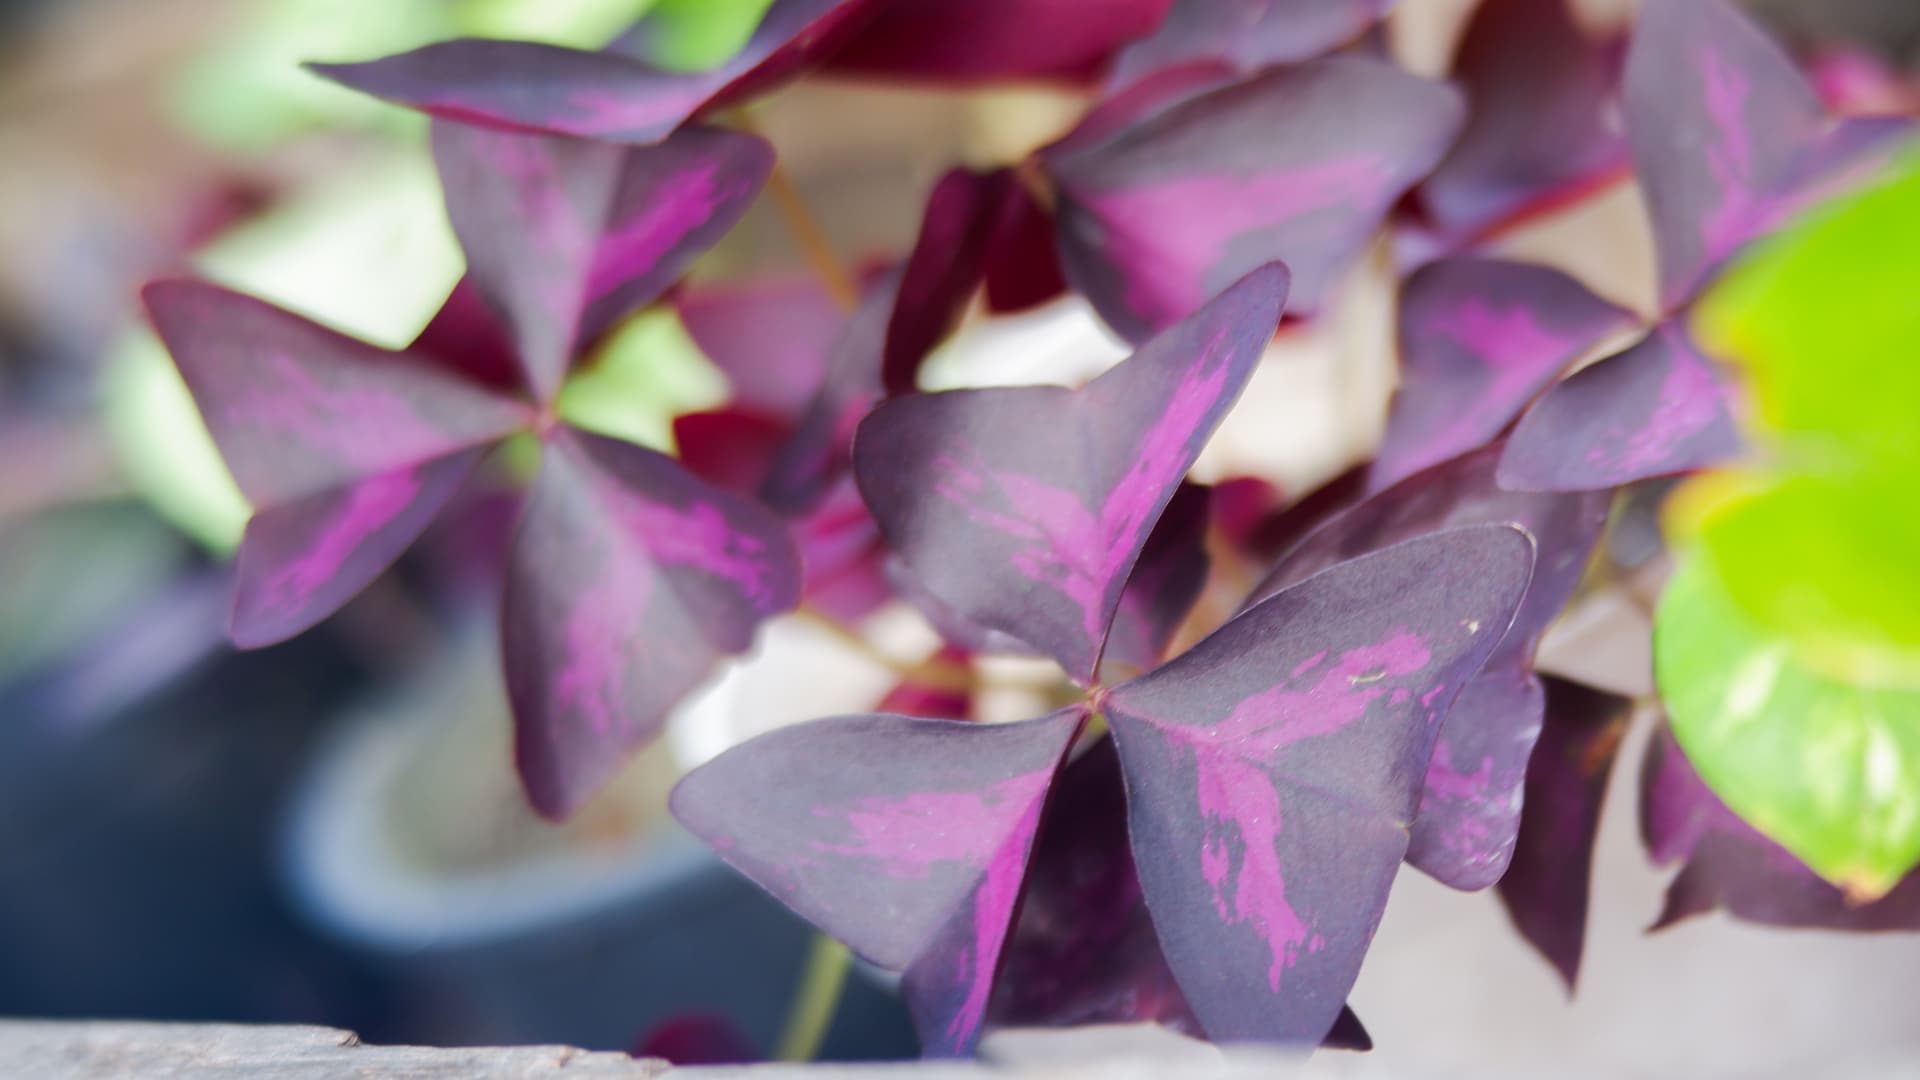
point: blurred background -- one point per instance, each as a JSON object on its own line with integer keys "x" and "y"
{"x": 328, "y": 831}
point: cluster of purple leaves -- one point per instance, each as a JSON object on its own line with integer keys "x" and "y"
{"x": 1206, "y": 839}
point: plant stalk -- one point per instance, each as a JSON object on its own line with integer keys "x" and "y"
{"x": 816, "y": 1000}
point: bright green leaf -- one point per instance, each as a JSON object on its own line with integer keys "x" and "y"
{"x": 1828, "y": 768}
{"x": 1825, "y": 319}
{"x": 694, "y": 35}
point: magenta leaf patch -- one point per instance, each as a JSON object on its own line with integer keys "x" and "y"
{"x": 1245, "y": 36}
{"x": 1657, "y": 409}
{"x": 1729, "y": 865}
{"x": 612, "y": 94}
{"x": 1298, "y": 164}
{"x": 1024, "y": 509}
{"x": 1541, "y": 124}
{"x": 1479, "y": 339}
{"x": 907, "y": 839}
{"x": 1546, "y": 888}
{"x": 301, "y": 561}
{"x": 629, "y": 578}
{"x": 987, "y": 40}
{"x": 1470, "y": 810}
{"x": 1274, "y": 771}
{"x": 1717, "y": 115}
{"x": 564, "y": 236}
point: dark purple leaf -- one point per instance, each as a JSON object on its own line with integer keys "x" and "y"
{"x": 1542, "y": 118}
{"x": 1083, "y": 950}
{"x": 1479, "y": 339}
{"x": 820, "y": 449}
{"x": 1300, "y": 164}
{"x": 613, "y": 95}
{"x": 954, "y": 628}
{"x": 1273, "y": 771}
{"x": 990, "y": 40}
{"x": 1716, "y": 114}
{"x": 1471, "y": 808}
{"x": 564, "y": 236}
{"x": 928, "y": 694}
{"x": 1165, "y": 583}
{"x": 466, "y": 337}
{"x": 772, "y": 338}
{"x": 948, "y": 263}
{"x": 907, "y": 839}
{"x": 1732, "y": 866}
{"x": 729, "y": 448}
{"x": 299, "y": 410}
{"x": 1245, "y": 36}
{"x": 1657, "y": 409}
{"x": 1026, "y": 508}
{"x": 301, "y": 561}
{"x": 629, "y": 579}
{"x": 844, "y": 555}
{"x": 1023, "y": 267}
{"x": 1546, "y": 888}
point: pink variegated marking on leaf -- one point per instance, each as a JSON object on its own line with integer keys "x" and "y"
{"x": 1235, "y": 786}
{"x": 910, "y": 835}
{"x": 370, "y": 506}
{"x": 1447, "y": 782}
{"x": 699, "y": 537}
{"x": 1690, "y": 400}
{"x": 685, "y": 204}
{"x": 603, "y": 625}
{"x": 365, "y": 429}
{"x": 558, "y": 229}
{"x": 1510, "y": 342}
{"x": 603, "y": 113}
{"x": 1729, "y": 158}
{"x": 1075, "y": 552}
{"x": 1204, "y": 215}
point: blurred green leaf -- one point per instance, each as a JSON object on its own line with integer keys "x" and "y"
{"x": 694, "y": 35}
{"x": 1830, "y": 562}
{"x": 1825, "y": 320}
{"x": 646, "y": 372}
{"x": 1828, "y": 768}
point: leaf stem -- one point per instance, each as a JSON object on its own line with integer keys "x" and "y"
{"x": 816, "y": 1000}
{"x": 806, "y": 229}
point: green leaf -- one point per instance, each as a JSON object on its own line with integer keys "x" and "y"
{"x": 1828, "y": 768}
{"x": 1825, "y": 322}
{"x": 694, "y": 35}
{"x": 1831, "y": 562}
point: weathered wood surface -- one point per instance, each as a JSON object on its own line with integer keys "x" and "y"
{"x": 109, "y": 1050}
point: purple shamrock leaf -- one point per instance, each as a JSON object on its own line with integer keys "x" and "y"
{"x": 1299, "y": 164}
{"x": 466, "y": 338}
{"x": 771, "y": 338}
{"x": 1245, "y": 36}
{"x": 1083, "y": 950}
{"x": 612, "y": 94}
{"x": 948, "y": 262}
{"x": 564, "y": 236}
{"x": 907, "y": 839}
{"x": 1025, "y": 508}
{"x": 820, "y": 449}
{"x": 1546, "y": 888}
{"x": 1717, "y": 115}
{"x": 345, "y": 450}
{"x": 1023, "y": 266}
{"x": 1731, "y": 865}
{"x": 1470, "y": 811}
{"x": 628, "y": 579}
{"x": 1541, "y": 127}
{"x": 1273, "y": 772}
{"x": 988, "y": 40}
{"x": 1166, "y": 581}
{"x": 1479, "y": 339}
{"x": 1657, "y": 409}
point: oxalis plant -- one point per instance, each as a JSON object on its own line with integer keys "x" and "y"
{"x": 1205, "y": 830}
